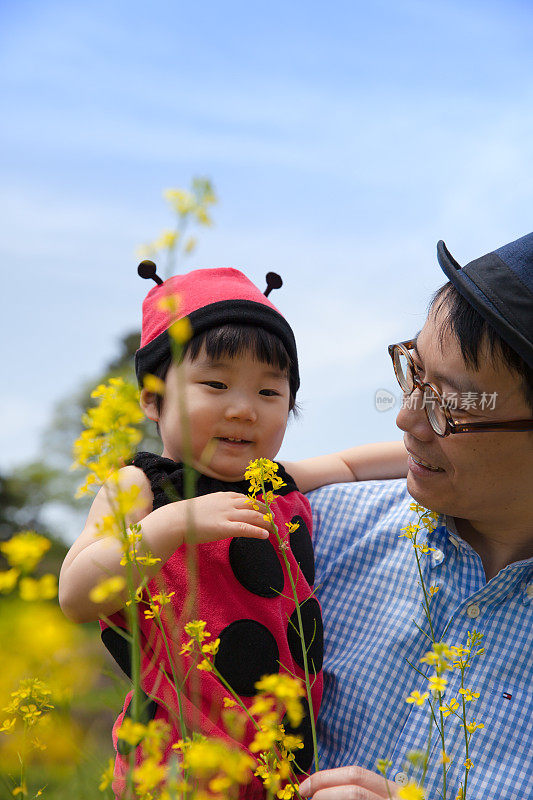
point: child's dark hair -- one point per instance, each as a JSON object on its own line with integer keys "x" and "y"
{"x": 230, "y": 341}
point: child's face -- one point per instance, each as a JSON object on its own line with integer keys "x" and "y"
{"x": 237, "y": 411}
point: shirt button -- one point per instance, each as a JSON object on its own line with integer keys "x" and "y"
{"x": 529, "y": 590}
{"x": 401, "y": 778}
{"x": 473, "y": 611}
{"x": 438, "y": 557}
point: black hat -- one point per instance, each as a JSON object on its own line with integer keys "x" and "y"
{"x": 500, "y": 286}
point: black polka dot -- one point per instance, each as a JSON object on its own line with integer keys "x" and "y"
{"x": 303, "y": 758}
{"x": 313, "y": 635}
{"x": 256, "y": 566}
{"x": 302, "y": 549}
{"x": 247, "y": 651}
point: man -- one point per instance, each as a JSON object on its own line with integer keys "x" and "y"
{"x": 472, "y": 462}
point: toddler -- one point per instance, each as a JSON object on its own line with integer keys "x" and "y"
{"x": 237, "y": 381}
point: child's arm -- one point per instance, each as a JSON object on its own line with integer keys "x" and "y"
{"x": 362, "y": 463}
{"x": 94, "y": 557}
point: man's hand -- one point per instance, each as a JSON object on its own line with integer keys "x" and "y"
{"x": 223, "y": 515}
{"x": 347, "y": 783}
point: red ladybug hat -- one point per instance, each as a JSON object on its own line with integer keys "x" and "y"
{"x": 209, "y": 298}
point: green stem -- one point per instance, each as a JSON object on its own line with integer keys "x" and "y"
{"x": 300, "y": 628}
{"x": 177, "y": 686}
{"x": 426, "y": 601}
{"x": 467, "y": 739}
{"x": 426, "y": 758}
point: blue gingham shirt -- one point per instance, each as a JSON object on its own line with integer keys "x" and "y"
{"x": 368, "y": 586}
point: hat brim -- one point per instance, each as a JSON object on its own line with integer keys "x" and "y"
{"x": 495, "y": 310}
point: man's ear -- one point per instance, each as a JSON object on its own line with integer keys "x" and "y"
{"x": 148, "y": 403}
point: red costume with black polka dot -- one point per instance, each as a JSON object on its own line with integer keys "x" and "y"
{"x": 243, "y": 595}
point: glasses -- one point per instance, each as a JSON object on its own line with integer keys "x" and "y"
{"x": 436, "y": 408}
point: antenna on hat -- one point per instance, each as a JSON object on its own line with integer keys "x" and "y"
{"x": 273, "y": 282}
{"x": 146, "y": 269}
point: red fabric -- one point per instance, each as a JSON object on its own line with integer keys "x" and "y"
{"x": 195, "y": 290}
{"x": 221, "y": 601}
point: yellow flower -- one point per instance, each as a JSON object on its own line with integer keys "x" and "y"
{"x": 44, "y": 588}
{"x": 181, "y": 330}
{"x": 286, "y": 793}
{"x": 436, "y": 683}
{"x": 203, "y": 217}
{"x": 263, "y": 740}
{"x": 469, "y": 695}
{"x": 8, "y": 725}
{"x": 290, "y": 742}
{"x": 287, "y": 690}
{"x": 260, "y": 472}
{"x": 292, "y": 526}
{"x": 411, "y": 791}
{"x": 211, "y": 648}
{"x": 474, "y": 726}
{"x": 154, "y": 384}
{"x": 132, "y": 732}
{"x": 383, "y": 765}
{"x": 424, "y": 548}
{"x": 433, "y": 590}
{"x": 449, "y": 708}
{"x": 156, "y": 603}
{"x": 146, "y": 560}
{"x": 30, "y": 713}
{"x": 8, "y": 580}
{"x": 261, "y": 706}
{"x": 409, "y": 531}
{"x": 469, "y": 764}
{"x": 445, "y": 758}
{"x": 107, "y": 588}
{"x": 196, "y": 630}
{"x": 220, "y": 784}
{"x": 166, "y": 240}
{"x": 24, "y": 550}
{"x": 229, "y": 702}
{"x": 182, "y": 201}
{"x": 416, "y": 697}
{"x": 171, "y": 303}
{"x": 110, "y": 435}
{"x": 190, "y": 244}
{"x": 148, "y": 776}
{"x": 205, "y": 665}
{"x": 107, "y": 776}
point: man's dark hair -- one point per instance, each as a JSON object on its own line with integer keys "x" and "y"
{"x": 472, "y": 331}
{"x": 230, "y": 341}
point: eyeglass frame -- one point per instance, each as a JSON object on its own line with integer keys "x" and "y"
{"x": 516, "y": 425}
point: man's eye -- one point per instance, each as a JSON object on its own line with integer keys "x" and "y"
{"x": 215, "y": 384}
{"x": 269, "y": 392}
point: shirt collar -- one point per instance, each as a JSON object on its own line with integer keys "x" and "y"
{"x": 446, "y": 536}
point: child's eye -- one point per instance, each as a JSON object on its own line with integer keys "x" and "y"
{"x": 269, "y": 392}
{"x": 215, "y": 384}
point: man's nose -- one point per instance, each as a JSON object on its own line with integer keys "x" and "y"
{"x": 412, "y": 417}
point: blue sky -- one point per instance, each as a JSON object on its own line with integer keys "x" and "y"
{"x": 344, "y": 139}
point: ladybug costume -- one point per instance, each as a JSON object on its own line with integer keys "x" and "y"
{"x": 243, "y": 591}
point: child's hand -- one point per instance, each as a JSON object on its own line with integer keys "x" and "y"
{"x": 223, "y": 515}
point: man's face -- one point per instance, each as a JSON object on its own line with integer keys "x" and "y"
{"x": 479, "y": 477}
